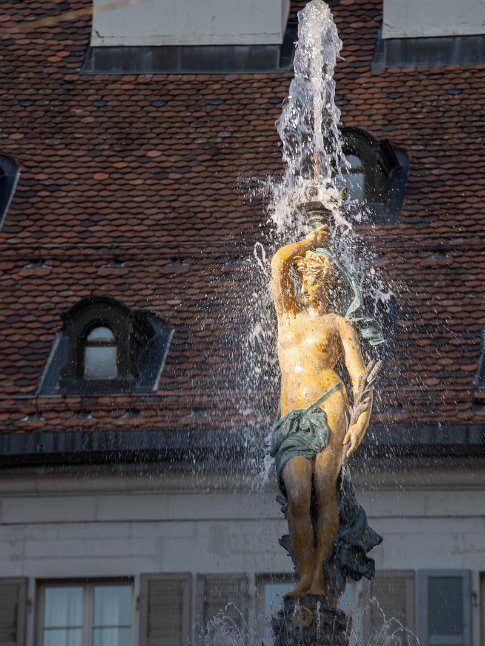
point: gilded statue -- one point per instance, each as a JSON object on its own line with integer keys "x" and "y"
{"x": 317, "y": 429}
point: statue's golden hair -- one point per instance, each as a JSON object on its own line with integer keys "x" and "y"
{"x": 317, "y": 265}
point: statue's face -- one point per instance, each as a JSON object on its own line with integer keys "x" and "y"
{"x": 317, "y": 274}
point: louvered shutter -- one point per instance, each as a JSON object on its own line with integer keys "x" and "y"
{"x": 226, "y": 593}
{"x": 13, "y": 599}
{"x": 394, "y": 592}
{"x": 165, "y": 609}
{"x": 444, "y": 609}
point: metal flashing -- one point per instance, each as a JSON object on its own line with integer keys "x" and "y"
{"x": 428, "y": 52}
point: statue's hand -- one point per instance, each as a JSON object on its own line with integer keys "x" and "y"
{"x": 319, "y": 237}
{"x": 354, "y": 437}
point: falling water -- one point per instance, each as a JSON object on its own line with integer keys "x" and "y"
{"x": 312, "y": 151}
{"x": 387, "y": 631}
{"x": 228, "y": 628}
{"x": 308, "y": 126}
{"x": 224, "y": 630}
{"x": 315, "y": 168}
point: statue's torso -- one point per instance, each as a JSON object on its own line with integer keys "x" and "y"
{"x": 308, "y": 349}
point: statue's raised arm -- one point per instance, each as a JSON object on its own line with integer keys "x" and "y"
{"x": 282, "y": 282}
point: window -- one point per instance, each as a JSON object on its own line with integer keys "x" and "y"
{"x": 189, "y": 36}
{"x": 375, "y": 176}
{"x": 100, "y": 354}
{"x": 269, "y": 595}
{"x": 105, "y": 347}
{"x": 429, "y": 52}
{"x": 429, "y": 34}
{"x": 444, "y": 610}
{"x": 93, "y": 614}
{"x": 9, "y": 175}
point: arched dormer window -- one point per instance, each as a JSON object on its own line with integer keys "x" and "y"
{"x": 375, "y": 176}
{"x": 9, "y": 175}
{"x": 105, "y": 347}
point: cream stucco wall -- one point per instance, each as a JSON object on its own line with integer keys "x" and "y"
{"x": 92, "y": 526}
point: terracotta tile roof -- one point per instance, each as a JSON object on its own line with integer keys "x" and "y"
{"x": 136, "y": 187}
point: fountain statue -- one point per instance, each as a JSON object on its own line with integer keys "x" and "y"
{"x": 317, "y": 429}
{"x": 320, "y": 326}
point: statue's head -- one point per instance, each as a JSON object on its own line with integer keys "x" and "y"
{"x": 318, "y": 276}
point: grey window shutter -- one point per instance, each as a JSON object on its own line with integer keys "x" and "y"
{"x": 165, "y": 609}
{"x": 444, "y": 609}
{"x": 226, "y": 593}
{"x": 13, "y": 608}
{"x": 394, "y": 592}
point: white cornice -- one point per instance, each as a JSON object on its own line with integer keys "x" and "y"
{"x": 75, "y": 481}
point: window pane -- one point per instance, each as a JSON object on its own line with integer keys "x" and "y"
{"x": 111, "y": 637}
{"x": 100, "y": 362}
{"x": 354, "y": 182}
{"x": 112, "y": 605}
{"x": 63, "y": 607}
{"x": 273, "y": 602}
{"x": 61, "y": 637}
{"x": 101, "y": 334}
{"x": 355, "y": 162}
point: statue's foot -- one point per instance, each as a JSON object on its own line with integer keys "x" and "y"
{"x": 302, "y": 587}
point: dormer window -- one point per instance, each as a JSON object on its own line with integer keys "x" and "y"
{"x": 375, "y": 176}
{"x": 105, "y": 347}
{"x": 190, "y": 37}
{"x": 9, "y": 175}
{"x": 100, "y": 354}
{"x": 480, "y": 376}
{"x": 430, "y": 34}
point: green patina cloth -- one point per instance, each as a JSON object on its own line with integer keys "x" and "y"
{"x": 300, "y": 433}
{"x": 306, "y": 433}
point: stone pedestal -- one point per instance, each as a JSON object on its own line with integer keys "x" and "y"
{"x": 308, "y": 621}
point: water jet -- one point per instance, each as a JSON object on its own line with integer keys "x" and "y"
{"x": 317, "y": 429}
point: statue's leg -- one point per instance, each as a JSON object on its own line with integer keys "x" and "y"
{"x": 297, "y": 476}
{"x": 327, "y": 468}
